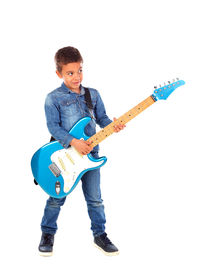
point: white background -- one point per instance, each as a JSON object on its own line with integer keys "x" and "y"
{"x": 150, "y": 184}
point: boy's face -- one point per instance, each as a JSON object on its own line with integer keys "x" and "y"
{"x": 72, "y": 75}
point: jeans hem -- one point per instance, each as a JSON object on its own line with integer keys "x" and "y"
{"x": 48, "y": 231}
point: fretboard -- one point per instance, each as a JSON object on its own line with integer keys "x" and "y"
{"x": 132, "y": 113}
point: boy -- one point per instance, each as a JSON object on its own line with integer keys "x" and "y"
{"x": 63, "y": 108}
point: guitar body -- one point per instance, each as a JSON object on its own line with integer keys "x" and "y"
{"x": 58, "y": 170}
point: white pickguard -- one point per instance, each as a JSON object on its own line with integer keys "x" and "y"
{"x": 71, "y": 163}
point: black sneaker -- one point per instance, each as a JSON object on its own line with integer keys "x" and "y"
{"x": 46, "y": 244}
{"x": 105, "y": 245}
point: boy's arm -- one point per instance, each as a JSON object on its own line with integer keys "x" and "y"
{"x": 53, "y": 123}
{"x": 102, "y": 118}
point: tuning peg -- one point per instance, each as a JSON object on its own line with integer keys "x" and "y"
{"x": 155, "y": 87}
{"x": 169, "y": 82}
{"x": 177, "y": 79}
{"x": 174, "y": 80}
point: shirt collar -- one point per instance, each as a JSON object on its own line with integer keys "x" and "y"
{"x": 66, "y": 89}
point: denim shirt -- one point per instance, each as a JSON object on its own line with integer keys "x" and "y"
{"x": 63, "y": 108}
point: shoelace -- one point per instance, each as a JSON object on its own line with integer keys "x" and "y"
{"x": 105, "y": 239}
{"x": 48, "y": 239}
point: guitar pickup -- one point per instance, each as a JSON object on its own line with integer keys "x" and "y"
{"x": 55, "y": 170}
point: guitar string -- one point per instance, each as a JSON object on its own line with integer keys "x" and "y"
{"x": 125, "y": 118}
{"x": 132, "y": 113}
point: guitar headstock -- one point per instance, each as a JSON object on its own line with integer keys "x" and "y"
{"x": 163, "y": 92}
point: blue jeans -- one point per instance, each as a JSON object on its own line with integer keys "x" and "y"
{"x": 92, "y": 193}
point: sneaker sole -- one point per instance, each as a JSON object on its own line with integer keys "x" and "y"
{"x": 107, "y": 253}
{"x": 45, "y": 254}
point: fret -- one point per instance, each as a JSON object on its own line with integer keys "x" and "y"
{"x": 128, "y": 116}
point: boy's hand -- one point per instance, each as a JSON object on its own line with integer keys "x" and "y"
{"x": 82, "y": 146}
{"x": 119, "y": 127}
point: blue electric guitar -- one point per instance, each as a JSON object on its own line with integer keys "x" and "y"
{"x": 58, "y": 170}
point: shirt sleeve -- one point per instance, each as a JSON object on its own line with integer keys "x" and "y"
{"x": 53, "y": 122}
{"x": 102, "y": 118}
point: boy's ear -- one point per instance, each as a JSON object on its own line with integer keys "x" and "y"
{"x": 59, "y": 74}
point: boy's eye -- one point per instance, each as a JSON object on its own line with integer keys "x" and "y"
{"x": 71, "y": 73}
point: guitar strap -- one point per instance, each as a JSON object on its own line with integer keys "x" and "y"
{"x": 88, "y": 99}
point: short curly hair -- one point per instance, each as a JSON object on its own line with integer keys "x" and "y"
{"x": 65, "y": 56}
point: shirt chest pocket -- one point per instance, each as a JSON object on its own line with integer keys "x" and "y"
{"x": 69, "y": 107}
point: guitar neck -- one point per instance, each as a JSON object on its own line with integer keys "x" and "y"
{"x": 128, "y": 116}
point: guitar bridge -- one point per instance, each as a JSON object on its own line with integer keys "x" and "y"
{"x": 55, "y": 170}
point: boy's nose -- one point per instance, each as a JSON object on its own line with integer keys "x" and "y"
{"x": 77, "y": 76}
